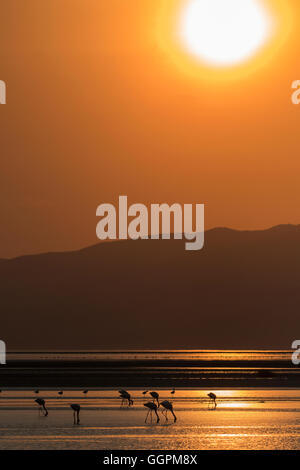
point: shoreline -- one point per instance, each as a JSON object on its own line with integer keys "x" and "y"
{"x": 149, "y": 374}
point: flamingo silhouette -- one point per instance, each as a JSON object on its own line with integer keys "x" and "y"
{"x": 173, "y": 391}
{"x": 42, "y": 406}
{"x": 146, "y": 391}
{"x": 151, "y": 407}
{"x": 76, "y": 411}
{"x": 125, "y": 397}
{"x": 167, "y": 405}
{"x": 60, "y": 392}
{"x": 155, "y": 396}
{"x": 36, "y": 391}
{"x": 85, "y": 392}
{"x": 213, "y": 399}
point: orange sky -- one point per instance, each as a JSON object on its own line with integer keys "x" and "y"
{"x": 101, "y": 103}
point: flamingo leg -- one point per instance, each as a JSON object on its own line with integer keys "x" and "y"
{"x": 147, "y": 416}
{"x": 212, "y": 404}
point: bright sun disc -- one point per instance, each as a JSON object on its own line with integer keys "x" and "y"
{"x": 224, "y": 32}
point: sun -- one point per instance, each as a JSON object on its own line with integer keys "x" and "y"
{"x": 224, "y": 33}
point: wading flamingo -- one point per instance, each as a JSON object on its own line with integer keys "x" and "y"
{"x": 76, "y": 411}
{"x": 213, "y": 399}
{"x": 42, "y": 406}
{"x": 167, "y": 405}
{"x": 155, "y": 396}
{"x": 151, "y": 407}
{"x": 126, "y": 397}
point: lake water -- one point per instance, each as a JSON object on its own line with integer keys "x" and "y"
{"x": 118, "y": 355}
{"x": 243, "y": 419}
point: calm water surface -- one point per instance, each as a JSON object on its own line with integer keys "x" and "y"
{"x": 244, "y": 419}
{"x": 194, "y": 354}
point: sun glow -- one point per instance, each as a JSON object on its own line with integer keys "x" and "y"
{"x": 245, "y": 40}
{"x": 224, "y": 32}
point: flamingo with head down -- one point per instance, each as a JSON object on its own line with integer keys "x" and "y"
{"x": 42, "y": 406}
{"x": 213, "y": 400}
{"x": 126, "y": 397}
{"x": 152, "y": 407}
{"x": 76, "y": 411}
{"x": 168, "y": 406}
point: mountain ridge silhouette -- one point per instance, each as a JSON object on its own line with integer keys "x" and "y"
{"x": 240, "y": 292}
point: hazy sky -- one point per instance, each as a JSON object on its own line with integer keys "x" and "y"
{"x": 102, "y": 102}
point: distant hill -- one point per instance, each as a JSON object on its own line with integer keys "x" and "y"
{"x": 241, "y": 291}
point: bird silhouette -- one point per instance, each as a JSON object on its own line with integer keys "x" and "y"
{"x": 213, "y": 399}
{"x": 151, "y": 407}
{"x": 155, "y": 396}
{"x": 60, "y": 392}
{"x": 85, "y": 392}
{"x": 36, "y": 391}
{"x": 167, "y": 405}
{"x": 126, "y": 397}
{"x": 146, "y": 391}
{"x": 76, "y": 411}
{"x": 173, "y": 391}
{"x": 42, "y": 406}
